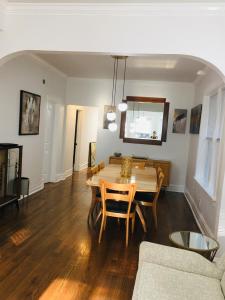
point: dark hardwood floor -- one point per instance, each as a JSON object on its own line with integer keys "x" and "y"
{"x": 48, "y": 251}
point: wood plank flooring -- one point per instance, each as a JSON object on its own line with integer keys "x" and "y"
{"x": 48, "y": 250}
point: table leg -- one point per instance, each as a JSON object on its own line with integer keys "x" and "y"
{"x": 139, "y": 212}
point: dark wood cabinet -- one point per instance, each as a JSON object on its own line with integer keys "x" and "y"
{"x": 10, "y": 173}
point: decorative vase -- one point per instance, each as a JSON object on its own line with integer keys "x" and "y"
{"x": 126, "y": 167}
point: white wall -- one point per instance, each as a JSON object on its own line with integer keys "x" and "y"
{"x": 150, "y": 28}
{"x": 87, "y": 132}
{"x": 26, "y": 73}
{"x": 204, "y": 207}
{"x": 98, "y": 92}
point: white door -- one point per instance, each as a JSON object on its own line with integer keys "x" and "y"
{"x": 48, "y": 142}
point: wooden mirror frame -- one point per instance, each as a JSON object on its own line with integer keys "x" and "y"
{"x": 164, "y": 124}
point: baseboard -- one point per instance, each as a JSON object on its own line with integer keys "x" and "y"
{"x": 175, "y": 188}
{"x": 83, "y": 166}
{"x": 200, "y": 220}
{"x": 68, "y": 173}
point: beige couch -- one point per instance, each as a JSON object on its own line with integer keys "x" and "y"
{"x": 167, "y": 273}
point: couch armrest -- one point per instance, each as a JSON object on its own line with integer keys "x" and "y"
{"x": 178, "y": 259}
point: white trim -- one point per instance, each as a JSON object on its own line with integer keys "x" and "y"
{"x": 82, "y": 166}
{"x": 175, "y": 188}
{"x": 200, "y": 220}
{"x": 206, "y": 189}
{"x": 45, "y": 63}
{"x": 68, "y": 173}
{"x": 59, "y": 177}
{"x": 118, "y": 9}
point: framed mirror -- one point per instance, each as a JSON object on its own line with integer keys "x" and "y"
{"x": 145, "y": 121}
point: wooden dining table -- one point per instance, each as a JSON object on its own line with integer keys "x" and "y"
{"x": 145, "y": 179}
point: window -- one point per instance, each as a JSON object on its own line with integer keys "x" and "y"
{"x": 209, "y": 141}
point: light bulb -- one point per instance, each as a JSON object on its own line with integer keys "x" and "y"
{"x": 122, "y": 106}
{"x": 112, "y": 126}
{"x": 111, "y": 116}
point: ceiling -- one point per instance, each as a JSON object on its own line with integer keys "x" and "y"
{"x": 154, "y": 67}
{"x": 118, "y": 1}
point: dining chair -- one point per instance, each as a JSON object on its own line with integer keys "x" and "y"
{"x": 101, "y": 165}
{"x": 94, "y": 170}
{"x": 96, "y": 194}
{"x": 138, "y": 164}
{"x": 117, "y": 202}
{"x": 148, "y": 199}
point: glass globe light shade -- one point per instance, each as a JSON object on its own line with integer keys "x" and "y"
{"x": 112, "y": 127}
{"x": 111, "y": 116}
{"x": 122, "y": 106}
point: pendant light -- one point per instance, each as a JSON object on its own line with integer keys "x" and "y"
{"x": 111, "y": 115}
{"x": 122, "y": 106}
{"x": 112, "y": 126}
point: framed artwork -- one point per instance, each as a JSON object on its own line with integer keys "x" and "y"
{"x": 179, "y": 120}
{"x": 196, "y": 113}
{"x": 92, "y": 154}
{"x": 29, "y": 113}
{"x": 107, "y": 108}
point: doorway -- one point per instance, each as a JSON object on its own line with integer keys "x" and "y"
{"x": 75, "y": 138}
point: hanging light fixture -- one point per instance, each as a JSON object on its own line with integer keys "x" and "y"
{"x": 111, "y": 115}
{"x": 112, "y": 126}
{"x": 122, "y": 106}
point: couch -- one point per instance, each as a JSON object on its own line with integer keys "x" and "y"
{"x": 168, "y": 273}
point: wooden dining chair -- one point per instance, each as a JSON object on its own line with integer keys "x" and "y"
{"x": 101, "y": 165}
{"x": 96, "y": 194}
{"x": 94, "y": 170}
{"x": 138, "y": 164}
{"x": 150, "y": 199}
{"x": 117, "y": 202}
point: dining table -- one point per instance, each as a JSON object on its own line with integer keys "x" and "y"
{"x": 145, "y": 179}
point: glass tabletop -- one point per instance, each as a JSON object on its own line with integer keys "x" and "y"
{"x": 193, "y": 240}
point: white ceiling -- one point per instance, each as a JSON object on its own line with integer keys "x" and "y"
{"x": 118, "y": 1}
{"x": 154, "y": 67}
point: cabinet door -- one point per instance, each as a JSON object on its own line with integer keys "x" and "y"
{"x": 115, "y": 160}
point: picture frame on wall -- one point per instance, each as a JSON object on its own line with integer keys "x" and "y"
{"x": 195, "y": 123}
{"x": 29, "y": 121}
{"x": 92, "y": 154}
{"x": 179, "y": 121}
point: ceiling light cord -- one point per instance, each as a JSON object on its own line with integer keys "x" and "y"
{"x": 124, "y": 77}
{"x": 113, "y": 88}
{"x": 114, "y": 100}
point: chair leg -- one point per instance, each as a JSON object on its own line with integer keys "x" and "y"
{"x": 98, "y": 217}
{"x": 133, "y": 223}
{"x": 101, "y": 229}
{"x": 127, "y": 231}
{"x": 154, "y": 211}
{"x": 139, "y": 212}
{"x": 105, "y": 222}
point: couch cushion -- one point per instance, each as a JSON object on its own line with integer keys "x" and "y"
{"x": 158, "y": 282}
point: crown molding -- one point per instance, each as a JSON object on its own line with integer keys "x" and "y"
{"x": 3, "y": 6}
{"x": 117, "y": 9}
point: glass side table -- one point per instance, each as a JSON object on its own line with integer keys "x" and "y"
{"x": 196, "y": 242}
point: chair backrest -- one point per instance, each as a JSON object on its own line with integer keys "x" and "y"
{"x": 94, "y": 170}
{"x": 138, "y": 164}
{"x": 101, "y": 165}
{"x": 117, "y": 192}
{"x": 160, "y": 177}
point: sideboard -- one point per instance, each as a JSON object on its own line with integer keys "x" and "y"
{"x": 165, "y": 165}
